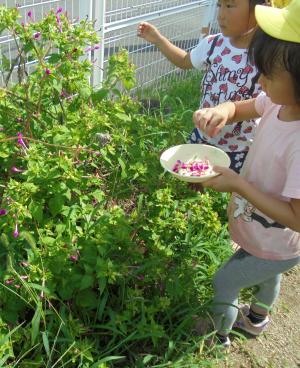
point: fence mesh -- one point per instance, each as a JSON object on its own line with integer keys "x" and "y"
{"x": 179, "y": 20}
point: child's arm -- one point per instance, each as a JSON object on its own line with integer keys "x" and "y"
{"x": 213, "y": 119}
{"x": 176, "y": 55}
{"x": 285, "y": 213}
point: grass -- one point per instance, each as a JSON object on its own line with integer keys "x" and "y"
{"x": 177, "y": 97}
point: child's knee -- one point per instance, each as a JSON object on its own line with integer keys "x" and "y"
{"x": 221, "y": 279}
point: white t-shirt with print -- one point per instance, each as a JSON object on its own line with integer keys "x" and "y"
{"x": 229, "y": 76}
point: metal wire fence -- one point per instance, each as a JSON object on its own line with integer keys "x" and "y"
{"x": 116, "y": 22}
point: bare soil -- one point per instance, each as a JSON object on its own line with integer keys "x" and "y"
{"x": 279, "y": 346}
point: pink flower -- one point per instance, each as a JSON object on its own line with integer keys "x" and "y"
{"x": 9, "y": 281}
{"x": 3, "y": 212}
{"x": 24, "y": 264}
{"x": 73, "y": 258}
{"x": 16, "y": 170}
{"x": 59, "y": 10}
{"x": 88, "y": 49}
{"x": 37, "y": 35}
{"x": 16, "y": 232}
{"x": 29, "y": 14}
{"x": 58, "y": 23}
{"x": 63, "y": 94}
{"x": 20, "y": 141}
{"x": 25, "y": 277}
{"x": 48, "y": 71}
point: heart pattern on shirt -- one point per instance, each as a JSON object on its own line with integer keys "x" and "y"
{"x": 233, "y": 147}
{"x": 226, "y": 51}
{"x": 237, "y": 58}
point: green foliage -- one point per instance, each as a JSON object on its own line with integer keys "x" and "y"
{"x": 104, "y": 259}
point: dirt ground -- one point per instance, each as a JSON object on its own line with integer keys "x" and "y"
{"x": 279, "y": 346}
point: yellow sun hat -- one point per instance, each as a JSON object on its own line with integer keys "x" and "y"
{"x": 283, "y": 24}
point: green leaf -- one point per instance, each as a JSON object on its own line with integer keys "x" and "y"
{"x": 99, "y": 195}
{"x": 86, "y": 282}
{"x": 36, "y": 210}
{"x": 107, "y": 359}
{"x": 87, "y": 299}
{"x": 30, "y": 240}
{"x": 7, "y": 337}
{"x": 46, "y": 342}
{"x": 54, "y": 58}
{"x": 99, "y": 95}
{"x": 4, "y": 240}
{"x": 57, "y": 86}
{"x": 5, "y": 64}
{"x": 102, "y": 305}
{"x": 4, "y": 154}
{"x": 123, "y": 167}
{"x": 35, "y": 324}
{"x": 28, "y": 46}
{"x": 104, "y": 155}
{"x": 56, "y": 204}
{"x": 102, "y": 283}
{"x": 38, "y": 287}
{"x": 60, "y": 228}
{"x": 47, "y": 240}
{"x": 123, "y": 117}
{"x": 85, "y": 92}
{"x": 148, "y": 358}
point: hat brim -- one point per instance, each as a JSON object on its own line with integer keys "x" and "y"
{"x": 273, "y": 22}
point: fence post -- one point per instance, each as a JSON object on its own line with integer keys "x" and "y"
{"x": 99, "y": 10}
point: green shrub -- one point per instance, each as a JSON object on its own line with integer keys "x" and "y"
{"x": 104, "y": 259}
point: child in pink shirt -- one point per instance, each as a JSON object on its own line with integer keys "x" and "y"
{"x": 264, "y": 211}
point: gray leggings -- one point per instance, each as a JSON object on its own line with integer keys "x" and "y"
{"x": 243, "y": 270}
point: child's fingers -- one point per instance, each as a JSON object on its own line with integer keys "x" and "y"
{"x": 141, "y": 28}
{"x": 201, "y": 118}
{"x": 216, "y": 123}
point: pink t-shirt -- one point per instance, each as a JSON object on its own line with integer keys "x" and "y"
{"x": 273, "y": 166}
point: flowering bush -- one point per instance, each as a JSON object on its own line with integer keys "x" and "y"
{"x": 98, "y": 248}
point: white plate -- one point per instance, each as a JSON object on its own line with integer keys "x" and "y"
{"x": 185, "y": 152}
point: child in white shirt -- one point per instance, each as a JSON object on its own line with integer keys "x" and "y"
{"x": 229, "y": 75}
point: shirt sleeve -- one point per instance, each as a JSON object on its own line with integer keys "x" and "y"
{"x": 200, "y": 53}
{"x": 260, "y": 103}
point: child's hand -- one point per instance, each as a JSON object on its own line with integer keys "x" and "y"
{"x": 148, "y": 32}
{"x": 210, "y": 121}
{"x": 227, "y": 181}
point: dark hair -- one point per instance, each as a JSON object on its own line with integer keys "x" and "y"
{"x": 269, "y": 53}
{"x": 257, "y": 2}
